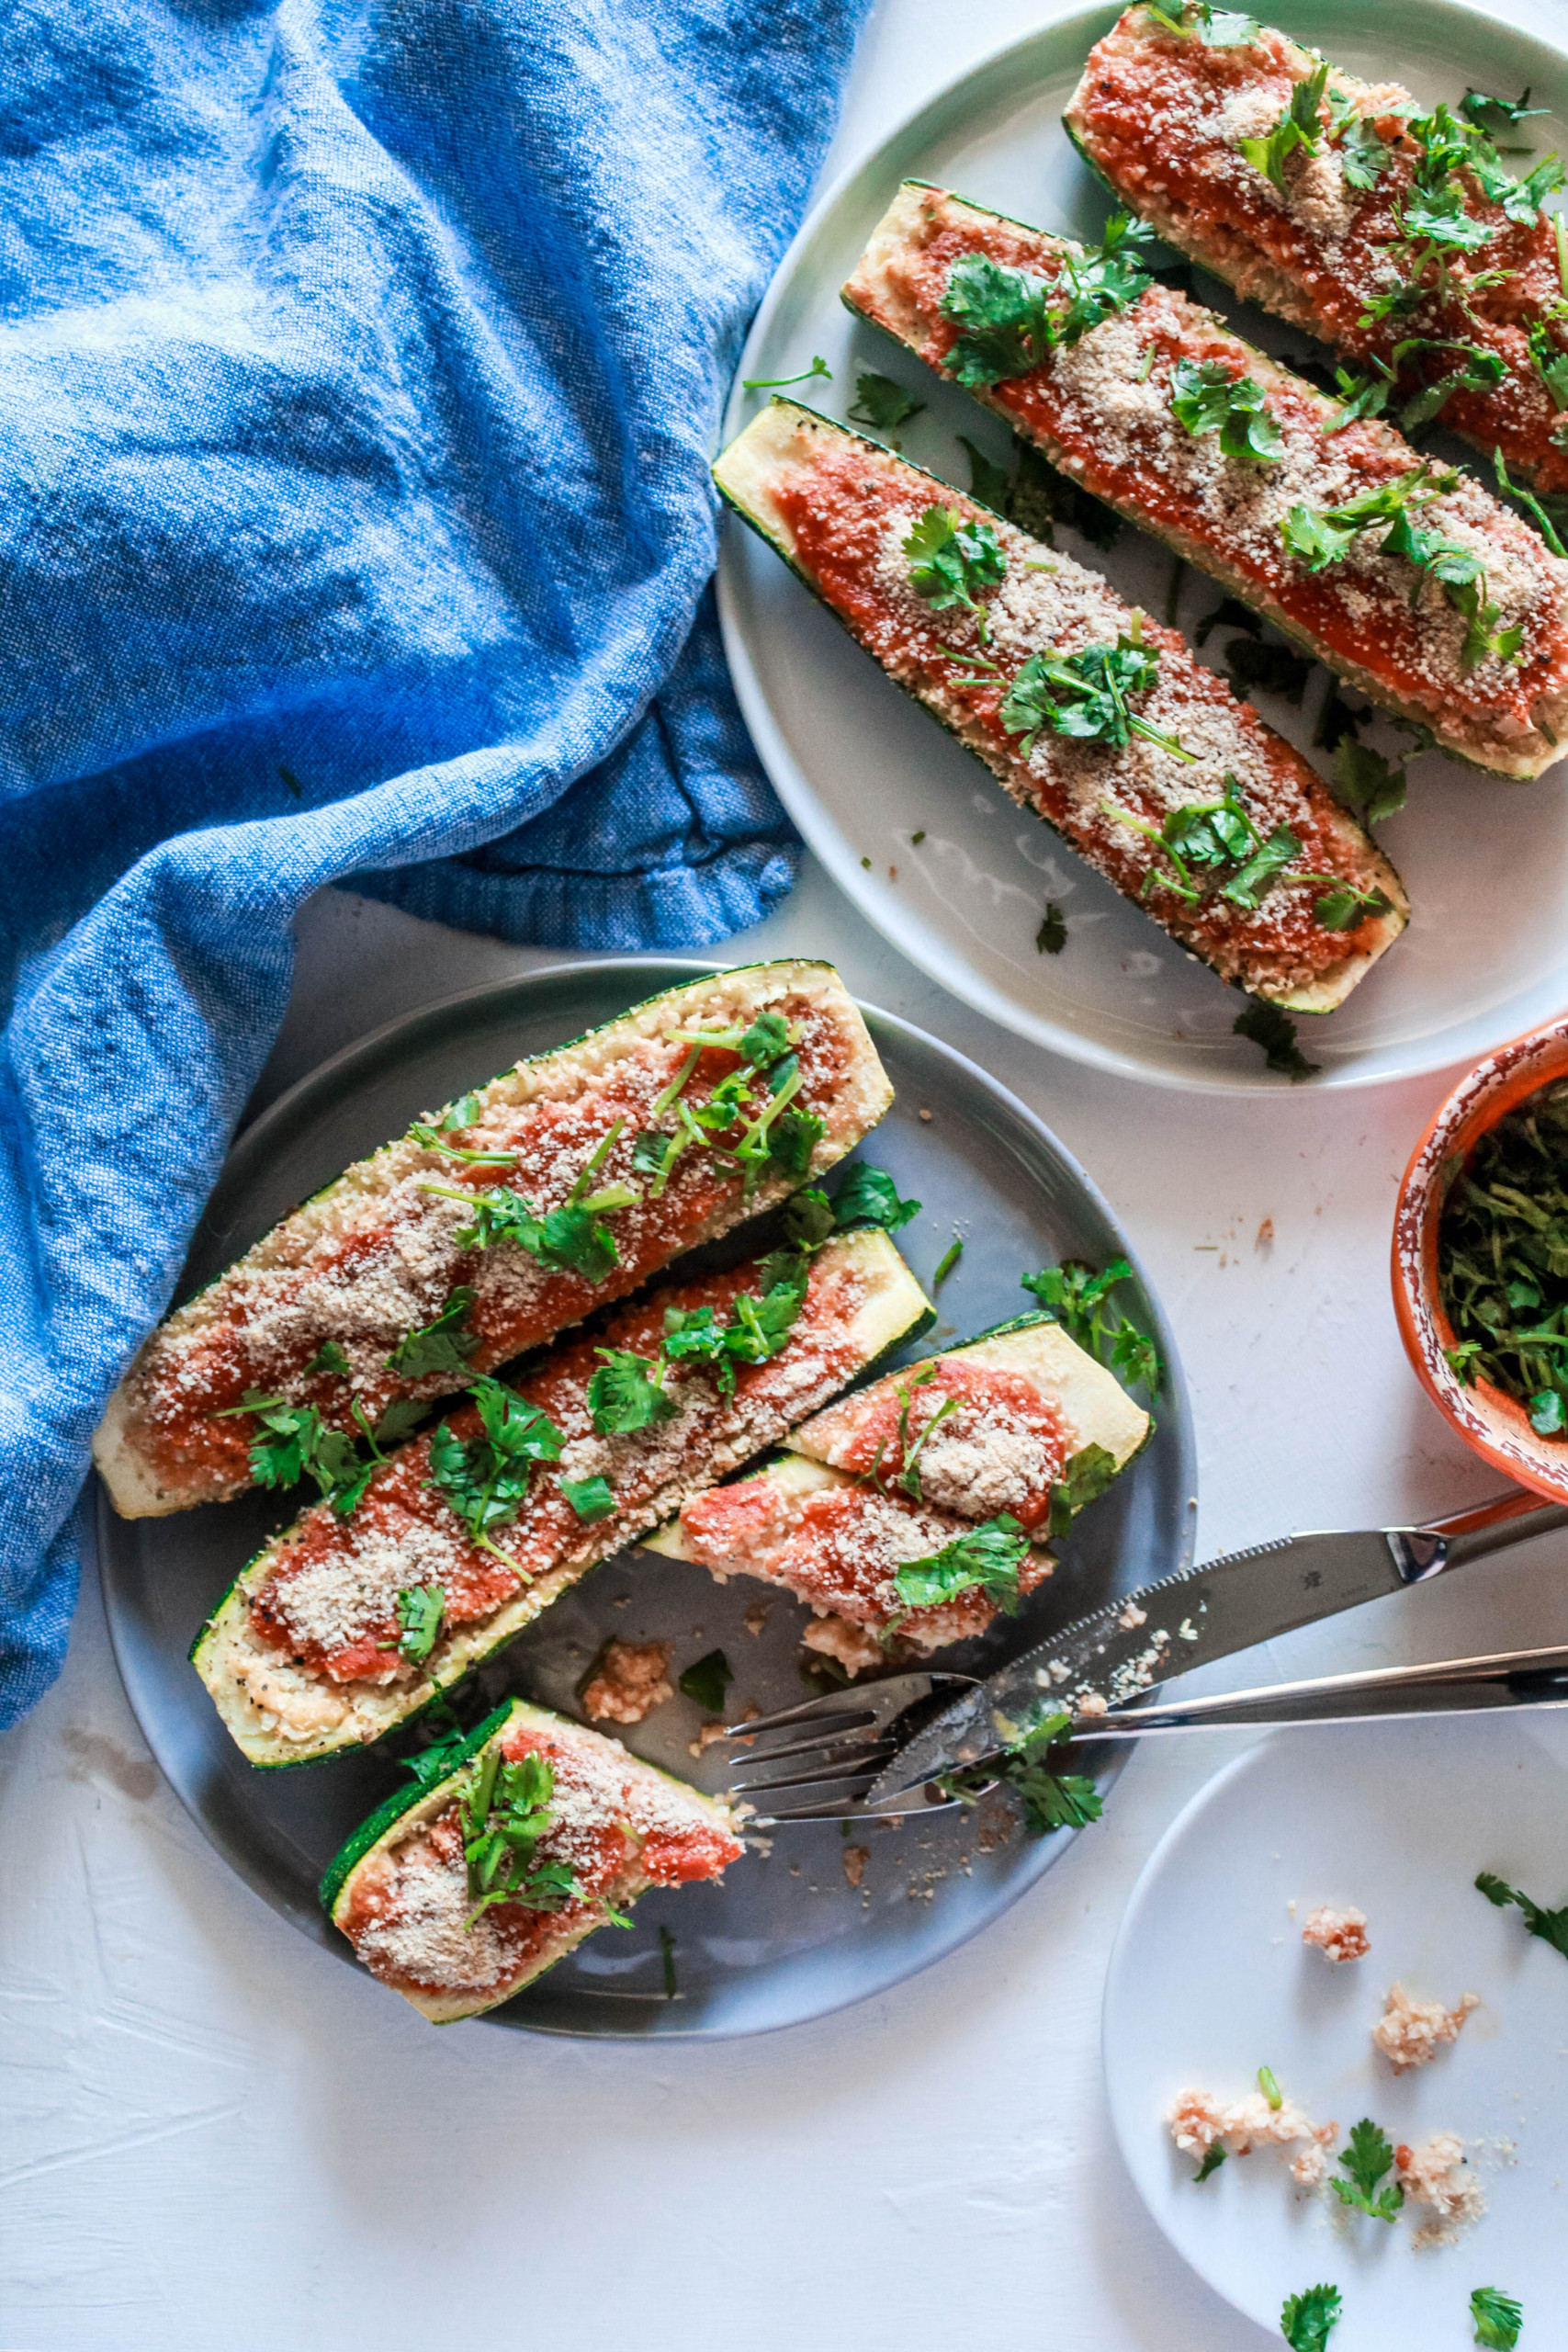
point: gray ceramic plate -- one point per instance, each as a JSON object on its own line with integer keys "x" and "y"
{"x": 786, "y": 1937}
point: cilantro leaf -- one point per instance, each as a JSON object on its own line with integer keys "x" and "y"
{"x": 869, "y": 1196}
{"x": 1551, "y": 1927}
{"x": 1368, "y": 2157}
{"x": 441, "y": 1346}
{"x": 1085, "y": 695}
{"x": 1301, "y": 125}
{"x": 1249, "y": 888}
{"x": 951, "y": 559}
{"x": 1497, "y": 2317}
{"x": 986, "y": 1558}
{"x": 1087, "y": 1475}
{"x": 570, "y": 1239}
{"x": 1360, "y": 395}
{"x": 792, "y": 1140}
{"x": 1492, "y": 114}
{"x": 1267, "y": 1026}
{"x": 1363, "y": 156}
{"x": 1322, "y": 535}
{"x": 881, "y": 404}
{"x": 1346, "y": 905}
{"x": 1214, "y": 2155}
{"x": 402, "y": 1416}
{"x": 1051, "y": 1800}
{"x": 484, "y": 1479}
{"x": 627, "y": 1393}
{"x": 504, "y": 1809}
{"x": 1306, "y": 2319}
{"x": 1052, "y": 935}
{"x": 808, "y": 1217}
{"x": 1079, "y": 1298}
{"x": 419, "y": 1611}
{"x": 707, "y": 1680}
{"x": 1206, "y": 397}
{"x": 1367, "y": 781}
{"x": 292, "y": 1441}
{"x": 1441, "y": 220}
{"x": 1005, "y": 317}
{"x": 329, "y": 1357}
{"x": 779, "y": 383}
{"x": 592, "y": 1498}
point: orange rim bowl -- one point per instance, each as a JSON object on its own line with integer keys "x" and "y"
{"x": 1492, "y": 1424}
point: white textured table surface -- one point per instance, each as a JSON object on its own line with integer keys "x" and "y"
{"x": 215, "y": 2139}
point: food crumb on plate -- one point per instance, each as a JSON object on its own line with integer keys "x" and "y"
{"x": 1438, "y": 2175}
{"x": 1339, "y": 1931}
{"x": 630, "y": 1680}
{"x": 1410, "y": 2033}
{"x": 854, "y": 1859}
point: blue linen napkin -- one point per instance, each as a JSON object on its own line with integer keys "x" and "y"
{"x": 359, "y": 364}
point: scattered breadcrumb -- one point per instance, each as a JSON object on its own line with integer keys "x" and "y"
{"x": 850, "y": 1645}
{"x": 1338, "y": 1930}
{"x": 1437, "y": 2173}
{"x": 756, "y": 1617}
{"x": 925, "y": 1115}
{"x": 1410, "y": 2032}
{"x": 631, "y": 1679}
{"x": 1265, "y": 1235}
{"x": 706, "y": 1735}
{"x": 1132, "y": 1617}
{"x": 1197, "y": 2120}
{"x": 855, "y": 1858}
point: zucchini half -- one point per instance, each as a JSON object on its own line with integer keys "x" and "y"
{"x": 374, "y": 1257}
{"x": 792, "y": 474}
{"x": 405, "y": 1858}
{"x": 1024, "y": 1366}
{"x": 1101, "y": 412}
{"x": 1156, "y": 116}
{"x": 863, "y": 1304}
{"x": 835, "y": 1542}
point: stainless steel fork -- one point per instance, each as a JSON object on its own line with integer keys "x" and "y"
{"x": 835, "y": 1746}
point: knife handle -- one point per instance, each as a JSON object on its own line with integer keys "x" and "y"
{"x": 1472, "y": 1534}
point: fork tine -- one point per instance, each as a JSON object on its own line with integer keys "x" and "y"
{"x": 880, "y": 1702}
{"x": 860, "y": 1765}
{"x": 813, "y": 1711}
{"x": 857, "y": 1739}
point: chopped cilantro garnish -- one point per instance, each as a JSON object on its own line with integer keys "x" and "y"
{"x": 1206, "y": 397}
{"x": 505, "y": 1809}
{"x": 460, "y": 1115}
{"x": 1479, "y": 371}
{"x": 1216, "y": 27}
{"x": 869, "y": 1196}
{"x": 484, "y": 1479}
{"x": 778, "y": 383}
{"x": 1301, "y": 125}
{"x": 1491, "y": 115}
{"x": 419, "y": 1611}
{"x": 1214, "y": 2157}
{"x": 1306, "y": 2319}
{"x": 950, "y": 1258}
{"x": 1497, "y": 2318}
{"x": 1087, "y": 1475}
{"x": 667, "y": 1957}
{"x": 1360, "y": 395}
{"x": 1246, "y": 889}
{"x": 293, "y": 1442}
{"x": 1051, "y": 1800}
{"x": 441, "y": 1346}
{"x": 592, "y": 1498}
{"x": 1368, "y": 2157}
{"x": 1267, "y": 2082}
{"x": 769, "y": 1037}
{"x": 1367, "y": 781}
{"x": 808, "y": 1217}
{"x": 951, "y": 559}
{"x": 569, "y": 1239}
{"x": 706, "y": 1682}
{"x": 881, "y": 404}
{"x": 1267, "y": 1026}
{"x": 988, "y": 480}
{"x": 1345, "y": 904}
{"x": 401, "y": 1416}
{"x": 985, "y": 1558}
{"x": 1079, "y": 1298}
{"x": 329, "y": 1357}
{"x": 1534, "y": 507}
{"x": 627, "y": 1393}
{"x": 1085, "y": 695}
{"x": 1551, "y": 1927}
{"x": 1012, "y": 319}
{"x": 1322, "y": 535}
{"x": 1052, "y": 935}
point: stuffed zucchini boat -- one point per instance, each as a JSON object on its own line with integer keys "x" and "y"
{"x": 461, "y": 1891}
{"x": 1396, "y": 235}
{"x": 343, "y": 1628}
{"x": 886, "y": 1578}
{"x": 1085, "y": 712}
{"x": 904, "y": 1514}
{"x": 482, "y": 1232}
{"x": 1435, "y": 600}
{"x": 1021, "y": 1420}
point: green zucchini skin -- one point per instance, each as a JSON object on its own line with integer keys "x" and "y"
{"x": 1292, "y": 999}
{"x": 914, "y": 1316}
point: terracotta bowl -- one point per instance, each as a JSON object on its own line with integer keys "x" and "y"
{"x": 1492, "y": 1424}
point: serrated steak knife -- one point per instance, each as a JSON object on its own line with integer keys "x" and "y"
{"x": 1204, "y": 1613}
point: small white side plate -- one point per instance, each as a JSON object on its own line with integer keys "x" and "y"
{"x": 1210, "y": 1979}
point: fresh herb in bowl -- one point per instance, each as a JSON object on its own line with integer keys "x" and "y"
{"x": 1502, "y": 1259}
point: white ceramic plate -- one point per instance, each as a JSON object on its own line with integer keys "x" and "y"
{"x": 1209, "y": 1980}
{"x": 862, "y": 769}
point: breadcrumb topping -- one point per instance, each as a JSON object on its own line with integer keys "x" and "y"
{"x": 1410, "y": 2033}
{"x": 1339, "y": 1931}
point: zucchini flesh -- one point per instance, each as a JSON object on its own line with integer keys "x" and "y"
{"x": 992, "y": 1426}
{"x": 398, "y": 1888}
{"x": 836, "y": 1541}
{"x": 837, "y": 508}
{"x": 375, "y": 1256}
{"x": 301, "y": 1656}
{"x": 1157, "y": 115}
{"x": 1101, "y": 410}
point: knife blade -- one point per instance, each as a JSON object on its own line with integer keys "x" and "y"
{"x": 1199, "y": 1614}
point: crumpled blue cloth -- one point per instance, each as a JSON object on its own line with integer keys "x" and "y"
{"x": 359, "y": 364}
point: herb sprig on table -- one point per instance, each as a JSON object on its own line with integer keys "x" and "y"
{"x": 1502, "y": 1259}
